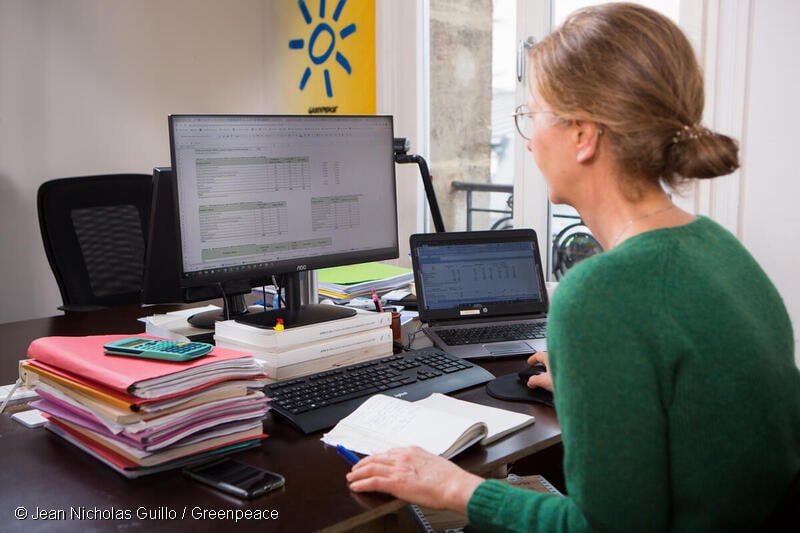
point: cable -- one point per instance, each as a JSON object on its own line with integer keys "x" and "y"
{"x": 10, "y": 394}
{"x": 281, "y": 287}
{"x": 225, "y": 306}
{"x": 411, "y": 336}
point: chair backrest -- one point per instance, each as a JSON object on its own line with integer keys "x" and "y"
{"x": 93, "y": 230}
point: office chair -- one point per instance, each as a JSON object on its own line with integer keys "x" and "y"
{"x": 572, "y": 244}
{"x": 93, "y": 230}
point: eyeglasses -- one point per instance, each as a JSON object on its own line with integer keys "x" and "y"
{"x": 524, "y": 120}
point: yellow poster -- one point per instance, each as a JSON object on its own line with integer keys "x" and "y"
{"x": 325, "y": 52}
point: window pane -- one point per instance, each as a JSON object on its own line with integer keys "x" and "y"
{"x": 562, "y": 8}
{"x": 571, "y": 241}
{"x": 472, "y": 62}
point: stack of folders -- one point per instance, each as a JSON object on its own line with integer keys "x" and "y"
{"x": 304, "y": 350}
{"x": 141, "y": 416}
{"x": 342, "y": 284}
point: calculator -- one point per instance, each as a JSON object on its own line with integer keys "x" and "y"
{"x": 158, "y": 349}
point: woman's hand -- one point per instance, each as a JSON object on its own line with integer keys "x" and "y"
{"x": 416, "y": 476}
{"x": 543, "y": 380}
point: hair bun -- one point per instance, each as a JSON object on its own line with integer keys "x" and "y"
{"x": 697, "y": 152}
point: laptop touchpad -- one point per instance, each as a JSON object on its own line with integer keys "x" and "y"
{"x": 509, "y": 348}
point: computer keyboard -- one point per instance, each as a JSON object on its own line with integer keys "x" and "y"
{"x": 493, "y": 333}
{"x": 317, "y": 402}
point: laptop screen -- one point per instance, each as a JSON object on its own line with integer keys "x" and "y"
{"x": 478, "y": 274}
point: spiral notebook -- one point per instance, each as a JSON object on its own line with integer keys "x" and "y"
{"x": 439, "y": 521}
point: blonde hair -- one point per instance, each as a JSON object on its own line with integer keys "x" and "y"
{"x": 632, "y": 71}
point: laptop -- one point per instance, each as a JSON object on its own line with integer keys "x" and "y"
{"x": 481, "y": 294}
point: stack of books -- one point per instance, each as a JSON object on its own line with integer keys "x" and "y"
{"x": 342, "y": 284}
{"x": 141, "y": 416}
{"x": 304, "y": 350}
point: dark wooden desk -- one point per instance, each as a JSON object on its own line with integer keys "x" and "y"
{"x": 41, "y": 473}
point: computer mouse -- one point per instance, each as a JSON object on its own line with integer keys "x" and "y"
{"x": 529, "y": 371}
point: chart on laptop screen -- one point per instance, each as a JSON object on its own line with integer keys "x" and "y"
{"x": 465, "y": 274}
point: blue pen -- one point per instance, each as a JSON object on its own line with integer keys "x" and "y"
{"x": 347, "y": 454}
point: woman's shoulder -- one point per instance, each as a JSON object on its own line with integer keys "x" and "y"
{"x": 637, "y": 266}
{"x": 611, "y": 267}
{"x": 669, "y": 261}
{"x": 603, "y": 278}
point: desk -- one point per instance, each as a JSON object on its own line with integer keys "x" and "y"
{"x": 39, "y": 470}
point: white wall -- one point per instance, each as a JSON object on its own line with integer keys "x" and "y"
{"x": 771, "y": 179}
{"x": 86, "y": 87}
{"x": 400, "y": 80}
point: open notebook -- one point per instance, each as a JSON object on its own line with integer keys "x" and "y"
{"x": 481, "y": 293}
{"x": 440, "y": 424}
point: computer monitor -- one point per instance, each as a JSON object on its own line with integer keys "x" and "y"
{"x": 263, "y": 195}
{"x": 161, "y": 275}
{"x": 160, "y": 280}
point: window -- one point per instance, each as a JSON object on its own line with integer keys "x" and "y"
{"x": 479, "y": 164}
{"x": 472, "y": 96}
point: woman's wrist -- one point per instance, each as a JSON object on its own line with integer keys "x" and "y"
{"x": 461, "y": 490}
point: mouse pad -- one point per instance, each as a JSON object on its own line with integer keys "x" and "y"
{"x": 509, "y": 387}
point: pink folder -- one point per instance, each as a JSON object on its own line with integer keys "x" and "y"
{"x": 83, "y": 357}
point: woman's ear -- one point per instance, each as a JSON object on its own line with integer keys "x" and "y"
{"x": 587, "y": 139}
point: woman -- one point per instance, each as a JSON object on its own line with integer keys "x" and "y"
{"x": 671, "y": 354}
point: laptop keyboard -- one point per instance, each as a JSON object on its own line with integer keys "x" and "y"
{"x": 493, "y": 333}
{"x": 319, "y": 401}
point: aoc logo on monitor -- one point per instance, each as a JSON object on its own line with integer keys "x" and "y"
{"x": 322, "y": 46}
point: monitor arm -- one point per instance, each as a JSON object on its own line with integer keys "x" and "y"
{"x": 401, "y": 156}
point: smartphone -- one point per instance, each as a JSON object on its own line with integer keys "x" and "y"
{"x": 32, "y": 418}
{"x": 165, "y": 350}
{"x": 237, "y": 478}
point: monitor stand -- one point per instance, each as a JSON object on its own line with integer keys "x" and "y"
{"x": 295, "y": 317}
{"x": 294, "y": 314}
{"x": 232, "y": 306}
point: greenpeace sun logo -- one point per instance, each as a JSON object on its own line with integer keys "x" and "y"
{"x": 321, "y": 45}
